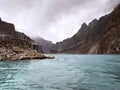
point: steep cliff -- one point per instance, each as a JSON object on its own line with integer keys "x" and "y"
{"x": 7, "y": 32}
{"x": 110, "y": 43}
{"x": 16, "y": 45}
{"x": 91, "y": 38}
{"x": 6, "y": 28}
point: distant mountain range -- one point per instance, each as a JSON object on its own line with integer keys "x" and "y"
{"x": 98, "y": 37}
{"x": 46, "y": 45}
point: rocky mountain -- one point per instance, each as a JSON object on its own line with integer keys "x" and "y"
{"x": 110, "y": 43}
{"x": 7, "y": 31}
{"x": 98, "y": 37}
{"x": 16, "y": 45}
{"x": 46, "y": 45}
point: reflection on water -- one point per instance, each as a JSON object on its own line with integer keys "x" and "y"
{"x": 66, "y": 72}
{"x": 8, "y": 71}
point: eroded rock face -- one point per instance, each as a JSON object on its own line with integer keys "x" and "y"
{"x": 16, "y": 45}
{"x": 6, "y": 28}
{"x": 98, "y": 37}
{"x": 86, "y": 38}
{"x": 11, "y": 52}
{"x": 17, "y": 53}
{"x": 110, "y": 44}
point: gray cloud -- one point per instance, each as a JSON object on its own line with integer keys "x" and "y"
{"x": 53, "y": 19}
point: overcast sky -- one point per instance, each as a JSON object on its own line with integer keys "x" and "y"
{"x": 53, "y": 20}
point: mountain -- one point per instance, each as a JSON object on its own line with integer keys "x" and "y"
{"x": 46, "y": 45}
{"x": 98, "y": 37}
{"x": 16, "y": 45}
{"x": 110, "y": 43}
{"x": 7, "y": 31}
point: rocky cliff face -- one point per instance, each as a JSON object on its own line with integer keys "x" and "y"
{"x": 7, "y": 32}
{"x": 110, "y": 43}
{"x": 6, "y": 28}
{"x": 16, "y": 45}
{"x": 95, "y": 37}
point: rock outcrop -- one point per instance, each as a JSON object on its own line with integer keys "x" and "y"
{"x": 17, "y": 53}
{"x": 110, "y": 43}
{"x": 99, "y": 37}
{"x": 8, "y": 33}
{"x": 16, "y": 45}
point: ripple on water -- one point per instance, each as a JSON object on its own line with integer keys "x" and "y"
{"x": 66, "y": 72}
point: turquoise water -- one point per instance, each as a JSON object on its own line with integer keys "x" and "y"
{"x": 66, "y": 72}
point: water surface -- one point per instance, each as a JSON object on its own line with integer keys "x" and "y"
{"x": 65, "y": 72}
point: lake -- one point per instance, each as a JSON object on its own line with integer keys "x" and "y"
{"x": 65, "y": 72}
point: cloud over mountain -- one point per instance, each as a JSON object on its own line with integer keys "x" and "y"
{"x": 53, "y": 19}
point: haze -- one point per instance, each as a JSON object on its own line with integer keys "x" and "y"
{"x": 53, "y": 20}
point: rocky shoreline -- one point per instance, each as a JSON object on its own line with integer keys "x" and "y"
{"x": 18, "y": 53}
{"x": 16, "y": 45}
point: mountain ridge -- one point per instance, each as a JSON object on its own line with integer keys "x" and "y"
{"x": 87, "y": 40}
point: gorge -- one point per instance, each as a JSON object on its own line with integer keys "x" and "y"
{"x": 98, "y": 37}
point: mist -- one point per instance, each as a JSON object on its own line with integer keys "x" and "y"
{"x": 53, "y": 20}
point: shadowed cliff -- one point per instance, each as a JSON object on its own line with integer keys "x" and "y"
{"x": 98, "y": 37}
{"x": 16, "y": 45}
{"x": 110, "y": 43}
